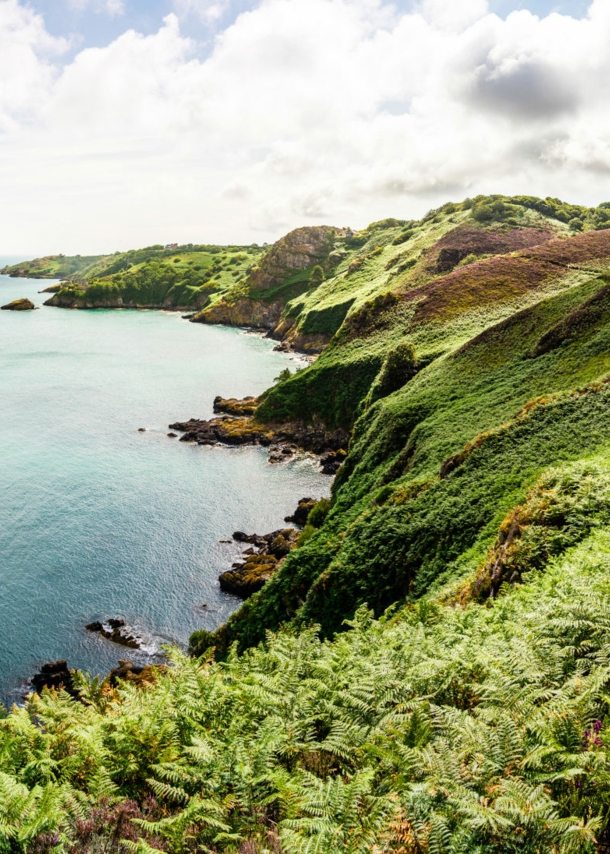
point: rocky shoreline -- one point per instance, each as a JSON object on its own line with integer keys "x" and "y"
{"x": 234, "y": 424}
{"x": 57, "y": 676}
{"x": 117, "y": 631}
{"x": 239, "y": 427}
{"x": 265, "y": 554}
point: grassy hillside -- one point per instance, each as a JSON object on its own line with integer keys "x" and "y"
{"x": 506, "y": 361}
{"x": 183, "y": 277}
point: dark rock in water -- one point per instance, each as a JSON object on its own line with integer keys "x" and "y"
{"x": 172, "y": 435}
{"x": 141, "y": 429}
{"x": 240, "y": 537}
{"x": 245, "y": 430}
{"x": 331, "y": 461}
{"x": 54, "y": 675}
{"x": 95, "y": 627}
{"x": 300, "y": 515}
{"x": 23, "y": 304}
{"x": 281, "y": 454}
{"x": 248, "y": 578}
{"x": 116, "y": 631}
{"x": 261, "y": 561}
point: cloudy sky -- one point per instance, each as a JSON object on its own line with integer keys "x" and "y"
{"x": 130, "y": 122}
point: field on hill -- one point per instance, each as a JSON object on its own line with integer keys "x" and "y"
{"x": 176, "y": 277}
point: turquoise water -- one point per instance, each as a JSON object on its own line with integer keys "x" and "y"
{"x": 98, "y": 520}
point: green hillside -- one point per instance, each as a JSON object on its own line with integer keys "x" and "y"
{"x": 462, "y": 387}
{"x": 427, "y": 672}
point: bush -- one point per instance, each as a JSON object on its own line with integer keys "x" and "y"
{"x": 484, "y": 212}
{"x": 318, "y": 513}
{"x": 403, "y": 237}
{"x": 397, "y": 370}
{"x": 283, "y": 376}
{"x": 306, "y": 534}
{"x": 317, "y": 276}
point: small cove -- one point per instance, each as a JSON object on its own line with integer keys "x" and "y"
{"x": 97, "y": 519}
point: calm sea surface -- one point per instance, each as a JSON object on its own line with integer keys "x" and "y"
{"x": 98, "y": 520}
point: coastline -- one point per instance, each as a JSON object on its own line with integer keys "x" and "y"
{"x": 215, "y": 560}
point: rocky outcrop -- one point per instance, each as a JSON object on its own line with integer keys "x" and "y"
{"x": 51, "y": 289}
{"x": 244, "y": 312}
{"x": 116, "y": 631}
{"x": 232, "y": 406}
{"x": 332, "y": 461}
{"x": 23, "y": 304}
{"x": 298, "y": 250}
{"x": 54, "y": 675}
{"x": 283, "y": 440}
{"x": 265, "y": 554}
{"x": 127, "y": 671}
{"x": 299, "y": 517}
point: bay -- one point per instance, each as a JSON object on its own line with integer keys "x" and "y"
{"x": 99, "y": 520}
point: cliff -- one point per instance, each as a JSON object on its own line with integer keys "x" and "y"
{"x": 470, "y": 363}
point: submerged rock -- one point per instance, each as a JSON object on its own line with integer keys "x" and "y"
{"x": 23, "y": 304}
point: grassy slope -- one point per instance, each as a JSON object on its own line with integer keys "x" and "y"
{"x": 397, "y": 527}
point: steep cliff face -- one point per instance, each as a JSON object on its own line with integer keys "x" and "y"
{"x": 283, "y": 274}
{"x": 298, "y": 250}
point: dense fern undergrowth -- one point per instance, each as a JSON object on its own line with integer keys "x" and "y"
{"x": 435, "y": 729}
{"x": 427, "y": 673}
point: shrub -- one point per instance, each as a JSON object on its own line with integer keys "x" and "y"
{"x": 283, "y": 376}
{"x": 483, "y": 213}
{"x": 316, "y": 276}
{"x": 318, "y": 513}
{"x": 306, "y": 534}
{"x": 403, "y": 237}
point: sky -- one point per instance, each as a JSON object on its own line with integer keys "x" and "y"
{"x": 130, "y": 122}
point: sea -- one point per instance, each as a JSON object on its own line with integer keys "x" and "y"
{"x": 99, "y": 520}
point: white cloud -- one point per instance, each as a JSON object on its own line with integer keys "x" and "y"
{"x": 110, "y": 7}
{"x": 208, "y": 11}
{"x": 26, "y": 69}
{"x": 341, "y": 111}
